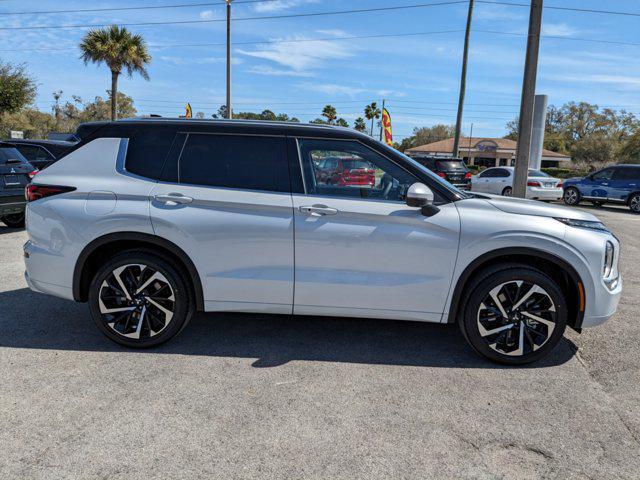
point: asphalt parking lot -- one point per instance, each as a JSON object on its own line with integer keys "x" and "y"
{"x": 254, "y": 396}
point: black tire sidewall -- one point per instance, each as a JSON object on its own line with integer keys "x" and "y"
{"x": 630, "y": 200}
{"x": 11, "y": 224}
{"x": 564, "y": 196}
{"x": 484, "y": 284}
{"x": 183, "y": 304}
{"x": 505, "y": 190}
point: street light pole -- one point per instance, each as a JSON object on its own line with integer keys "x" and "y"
{"x": 229, "y": 111}
{"x": 525, "y": 123}
{"x": 463, "y": 82}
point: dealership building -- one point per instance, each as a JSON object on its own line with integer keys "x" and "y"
{"x": 485, "y": 152}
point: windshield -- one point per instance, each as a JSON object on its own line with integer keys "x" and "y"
{"x": 432, "y": 175}
{"x": 537, "y": 173}
{"x": 450, "y": 165}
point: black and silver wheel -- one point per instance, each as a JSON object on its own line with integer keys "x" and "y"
{"x": 515, "y": 315}
{"x": 507, "y": 192}
{"x": 13, "y": 220}
{"x": 139, "y": 300}
{"x": 634, "y": 203}
{"x": 571, "y": 196}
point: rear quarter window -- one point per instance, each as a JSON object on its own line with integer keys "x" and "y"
{"x": 148, "y": 149}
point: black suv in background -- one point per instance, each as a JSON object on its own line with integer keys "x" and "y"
{"x": 15, "y": 173}
{"x": 453, "y": 170}
{"x": 41, "y": 153}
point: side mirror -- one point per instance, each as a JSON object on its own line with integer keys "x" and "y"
{"x": 421, "y": 196}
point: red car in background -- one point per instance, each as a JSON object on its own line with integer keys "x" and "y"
{"x": 346, "y": 172}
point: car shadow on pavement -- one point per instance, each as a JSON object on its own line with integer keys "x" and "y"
{"x": 32, "y": 320}
{"x": 4, "y": 230}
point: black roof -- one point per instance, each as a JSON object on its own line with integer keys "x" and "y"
{"x": 38, "y": 141}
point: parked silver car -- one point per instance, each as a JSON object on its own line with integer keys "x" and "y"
{"x": 151, "y": 220}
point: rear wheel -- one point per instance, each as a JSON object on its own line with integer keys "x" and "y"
{"x": 634, "y": 203}
{"x": 571, "y": 196}
{"x": 14, "y": 220}
{"x": 507, "y": 192}
{"x": 140, "y": 300}
{"x": 514, "y": 315}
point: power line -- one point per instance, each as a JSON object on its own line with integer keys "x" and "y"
{"x": 240, "y": 19}
{"x": 567, "y": 9}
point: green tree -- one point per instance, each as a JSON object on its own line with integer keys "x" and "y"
{"x": 341, "y": 122}
{"x": 329, "y": 112}
{"x": 17, "y": 88}
{"x": 100, "y": 109}
{"x": 120, "y": 50}
{"x": 359, "y": 124}
{"x": 372, "y": 112}
{"x": 425, "y": 135}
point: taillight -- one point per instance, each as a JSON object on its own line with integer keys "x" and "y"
{"x": 467, "y": 175}
{"x": 36, "y": 192}
{"x": 32, "y": 174}
{"x": 532, "y": 183}
{"x": 559, "y": 185}
{"x": 442, "y": 175}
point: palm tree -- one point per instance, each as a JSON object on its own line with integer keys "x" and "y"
{"x": 359, "y": 124}
{"x": 119, "y": 49}
{"x": 330, "y": 113}
{"x": 372, "y": 112}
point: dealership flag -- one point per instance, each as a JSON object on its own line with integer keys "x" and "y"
{"x": 386, "y": 123}
{"x": 187, "y": 113}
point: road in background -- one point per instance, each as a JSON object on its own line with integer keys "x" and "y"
{"x": 257, "y": 396}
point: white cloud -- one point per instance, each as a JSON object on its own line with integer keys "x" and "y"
{"x": 334, "y": 32}
{"x": 279, "y": 5}
{"x": 331, "y": 88}
{"x": 206, "y": 15}
{"x": 301, "y": 56}
{"x": 496, "y": 12}
{"x": 275, "y": 72}
{"x": 198, "y": 61}
{"x": 559, "y": 30}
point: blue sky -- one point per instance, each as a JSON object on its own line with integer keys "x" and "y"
{"x": 417, "y": 75}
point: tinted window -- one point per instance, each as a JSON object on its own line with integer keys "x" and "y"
{"x": 33, "y": 152}
{"x": 450, "y": 165}
{"x": 235, "y": 161}
{"x": 10, "y": 153}
{"x": 603, "y": 174}
{"x": 537, "y": 173}
{"x": 147, "y": 150}
{"x": 494, "y": 172}
{"x": 372, "y": 177}
{"x": 627, "y": 173}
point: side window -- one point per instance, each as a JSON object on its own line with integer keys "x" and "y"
{"x": 502, "y": 173}
{"x": 33, "y": 152}
{"x": 603, "y": 175}
{"x": 235, "y": 161}
{"x": 488, "y": 173}
{"x": 359, "y": 171}
{"x": 628, "y": 173}
{"x": 147, "y": 150}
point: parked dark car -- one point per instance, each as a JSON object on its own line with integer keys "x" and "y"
{"x": 619, "y": 184}
{"x": 15, "y": 173}
{"x": 452, "y": 170}
{"x": 41, "y": 153}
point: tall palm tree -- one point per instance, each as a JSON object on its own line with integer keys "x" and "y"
{"x": 372, "y": 112}
{"x": 329, "y": 112}
{"x": 359, "y": 124}
{"x": 120, "y": 50}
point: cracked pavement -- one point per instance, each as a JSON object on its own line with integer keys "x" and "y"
{"x": 257, "y": 396}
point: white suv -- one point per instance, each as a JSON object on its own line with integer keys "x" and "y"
{"x": 151, "y": 220}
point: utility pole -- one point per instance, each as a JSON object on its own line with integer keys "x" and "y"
{"x": 381, "y": 125}
{"x": 229, "y": 111}
{"x": 463, "y": 82}
{"x": 525, "y": 124}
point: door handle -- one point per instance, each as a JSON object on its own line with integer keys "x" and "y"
{"x": 318, "y": 210}
{"x": 173, "y": 199}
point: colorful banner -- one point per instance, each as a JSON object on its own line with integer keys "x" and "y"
{"x": 386, "y": 124}
{"x": 188, "y": 113}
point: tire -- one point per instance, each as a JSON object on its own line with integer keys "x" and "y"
{"x": 571, "y": 196}
{"x": 156, "y": 314}
{"x": 634, "y": 203}
{"x": 499, "y": 289}
{"x": 14, "y": 220}
{"x": 507, "y": 192}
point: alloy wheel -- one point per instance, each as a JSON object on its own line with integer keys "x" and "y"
{"x": 634, "y": 204}
{"x": 507, "y": 192}
{"x": 570, "y": 196}
{"x": 516, "y": 318}
{"x": 136, "y": 301}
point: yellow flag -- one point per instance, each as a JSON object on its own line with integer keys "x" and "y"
{"x": 188, "y": 113}
{"x": 386, "y": 124}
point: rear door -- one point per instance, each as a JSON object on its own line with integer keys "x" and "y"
{"x": 625, "y": 180}
{"x": 226, "y": 201}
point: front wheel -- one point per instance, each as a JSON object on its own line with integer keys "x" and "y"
{"x": 571, "y": 196}
{"x": 514, "y": 315}
{"x": 507, "y": 192}
{"x": 634, "y": 203}
{"x": 140, "y": 300}
{"x": 14, "y": 220}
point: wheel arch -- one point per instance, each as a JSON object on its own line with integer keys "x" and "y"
{"x": 554, "y": 266}
{"x": 100, "y": 248}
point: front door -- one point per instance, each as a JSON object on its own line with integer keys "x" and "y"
{"x": 360, "y": 251}
{"x": 229, "y": 208}
{"x": 598, "y": 184}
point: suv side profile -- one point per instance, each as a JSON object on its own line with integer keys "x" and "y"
{"x": 619, "y": 184}
{"x": 151, "y": 220}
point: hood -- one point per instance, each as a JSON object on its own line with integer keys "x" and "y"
{"x": 521, "y": 206}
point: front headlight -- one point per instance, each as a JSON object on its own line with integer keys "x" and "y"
{"x": 608, "y": 259}
{"x": 584, "y": 224}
